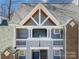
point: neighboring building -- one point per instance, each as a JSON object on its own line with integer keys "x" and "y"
{"x": 42, "y": 31}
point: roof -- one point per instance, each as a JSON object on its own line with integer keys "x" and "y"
{"x": 62, "y": 12}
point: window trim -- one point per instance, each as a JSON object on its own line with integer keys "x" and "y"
{"x": 24, "y": 53}
{"x": 39, "y": 29}
{"x": 59, "y": 53}
{"x": 17, "y": 37}
{"x": 21, "y": 41}
{"x": 56, "y": 32}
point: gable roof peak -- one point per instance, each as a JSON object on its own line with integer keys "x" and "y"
{"x": 43, "y": 8}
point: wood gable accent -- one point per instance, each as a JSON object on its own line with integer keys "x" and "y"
{"x": 9, "y": 54}
{"x": 39, "y": 15}
{"x": 72, "y": 40}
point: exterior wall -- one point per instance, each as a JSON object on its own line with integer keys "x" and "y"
{"x": 6, "y": 37}
{"x": 71, "y": 41}
{"x": 42, "y": 44}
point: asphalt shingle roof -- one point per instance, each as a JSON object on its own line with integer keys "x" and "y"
{"x": 62, "y": 12}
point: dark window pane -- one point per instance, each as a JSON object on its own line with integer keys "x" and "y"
{"x": 57, "y": 42}
{"x": 43, "y": 54}
{"x": 56, "y": 57}
{"x": 20, "y": 42}
{"x": 35, "y": 55}
{"x": 21, "y": 33}
{"x": 22, "y": 57}
{"x": 4, "y": 23}
{"x": 39, "y": 33}
{"x": 56, "y": 34}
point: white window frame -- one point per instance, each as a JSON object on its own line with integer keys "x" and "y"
{"x": 23, "y": 54}
{"x": 23, "y": 51}
{"x": 39, "y": 28}
{"x": 23, "y": 38}
{"x": 59, "y": 53}
{"x": 56, "y": 32}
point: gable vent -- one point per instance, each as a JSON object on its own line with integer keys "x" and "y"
{"x": 72, "y": 24}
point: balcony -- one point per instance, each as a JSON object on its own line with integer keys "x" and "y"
{"x": 22, "y": 33}
{"x": 39, "y": 35}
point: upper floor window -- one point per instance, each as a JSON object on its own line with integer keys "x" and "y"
{"x": 56, "y": 33}
{"x": 39, "y": 33}
{"x": 21, "y": 33}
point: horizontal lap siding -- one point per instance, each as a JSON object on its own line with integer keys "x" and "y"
{"x": 39, "y": 43}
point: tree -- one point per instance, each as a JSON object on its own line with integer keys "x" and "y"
{"x": 9, "y": 9}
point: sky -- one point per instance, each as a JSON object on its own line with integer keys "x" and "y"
{"x": 35, "y": 1}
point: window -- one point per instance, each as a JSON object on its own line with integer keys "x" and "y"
{"x": 21, "y": 33}
{"x": 4, "y": 23}
{"x": 42, "y": 54}
{"x": 39, "y": 33}
{"x": 58, "y": 43}
{"x": 56, "y": 33}
{"x": 58, "y": 54}
{"x": 21, "y": 54}
{"x": 20, "y": 43}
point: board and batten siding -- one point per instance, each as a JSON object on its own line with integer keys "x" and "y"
{"x": 72, "y": 40}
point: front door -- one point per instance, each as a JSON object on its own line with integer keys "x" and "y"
{"x": 35, "y": 54}
{"x": 43, "y": 54}
{"x": 40, "y": 54}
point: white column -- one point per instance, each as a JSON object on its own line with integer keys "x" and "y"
{"x": 29, "y": 33}
{"x": 65, "y": 42}
{"x": 50, "y": 32}
{"x": 39, "y": 16}
{"x": 47, "y": 32}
